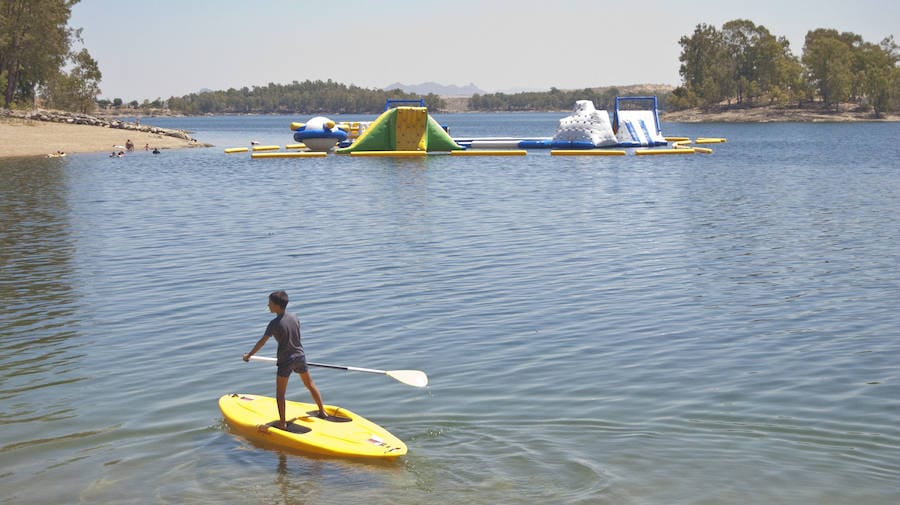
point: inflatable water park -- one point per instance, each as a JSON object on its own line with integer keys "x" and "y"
{"x": 405, "y": 128}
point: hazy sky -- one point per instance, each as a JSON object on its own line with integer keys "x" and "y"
{"x": 157, "y": 49}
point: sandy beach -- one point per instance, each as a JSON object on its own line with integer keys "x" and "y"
{"x": 23, "y": 137}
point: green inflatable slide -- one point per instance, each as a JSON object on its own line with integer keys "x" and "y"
{"x": 403, "y": 129}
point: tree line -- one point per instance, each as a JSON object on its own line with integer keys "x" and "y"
{"x": 740, "y": 64}
{"x": 555, "y": 99}
{"x": 744, "y": 64}
{"x": 320, "y": 97}
{"x": 308, "y": 97}
{"x": 41, "y": 56}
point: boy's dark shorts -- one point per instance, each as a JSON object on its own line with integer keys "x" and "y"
{"x": 298, "y": 365}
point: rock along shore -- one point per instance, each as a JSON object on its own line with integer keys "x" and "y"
{"x": 85, "y": 119}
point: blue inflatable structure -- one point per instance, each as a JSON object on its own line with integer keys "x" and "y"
{"x": 319, "y": 133}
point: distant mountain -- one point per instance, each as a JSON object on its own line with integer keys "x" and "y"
{"x": 438, "y": 89}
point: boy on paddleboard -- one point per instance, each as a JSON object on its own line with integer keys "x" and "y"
{"x": 291, "y": 358}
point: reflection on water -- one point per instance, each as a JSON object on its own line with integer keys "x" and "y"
{"x": 37, "y": 316}
{"x": 40, "y": 341}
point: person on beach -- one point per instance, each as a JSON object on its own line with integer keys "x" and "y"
{"x": 291, "y": 357}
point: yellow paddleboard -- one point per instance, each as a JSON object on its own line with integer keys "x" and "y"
{"x": 343, "y": 433}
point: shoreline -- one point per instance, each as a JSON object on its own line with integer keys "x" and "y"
{"x": 44, "y": 133}
{"x": 773, "y": 114}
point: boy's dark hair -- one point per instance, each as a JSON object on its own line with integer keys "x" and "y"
{"x": 279, "y": 298}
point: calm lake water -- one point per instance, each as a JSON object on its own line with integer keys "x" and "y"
{"x": 707, "y": 329}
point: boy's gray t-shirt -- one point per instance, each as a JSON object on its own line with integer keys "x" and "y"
{"x": 286, "y": 330}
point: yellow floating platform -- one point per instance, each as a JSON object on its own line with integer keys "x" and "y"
{"x": 586, "y": 152}
{"x": 301, "y": 154}
{"x": 704, "y": 150}
{"x": 389, "y": 154}
{"x": 487, "y": 152}
{"x": 682, "y": 150}
{"x": 266, "y": 148}
{"x": 232, "y": 150}
{"x": 677, "y": 139}
{"x": 295, "y": 146}
{"x": 709, "y": 140}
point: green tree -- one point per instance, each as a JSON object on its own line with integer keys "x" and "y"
{"x": 706, "y": 67}
{"x": 738, "y": 37}
{"x": 879, "y": 74}
{"x": 895, "y": 90}
{"x": 790, "y": 83}
{"x": 762, "y": 64}
{"x": 34, "y": 44}
{"x": 829, "y": 60}
{"x": 77, "y": 89}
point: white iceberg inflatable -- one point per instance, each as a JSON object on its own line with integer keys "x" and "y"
{"x": 586, "y": 128}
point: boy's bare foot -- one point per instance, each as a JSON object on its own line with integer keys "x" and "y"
{"x": 264, "y": 428}
{"x": 322, "y": 415}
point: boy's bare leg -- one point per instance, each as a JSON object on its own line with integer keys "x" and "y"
{"x": 280, "y": 389}
{"x": 314, "y": 392}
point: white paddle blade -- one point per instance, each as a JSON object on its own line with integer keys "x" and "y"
{"x": 416, "y": 378}
{"x": 263, "y": 358}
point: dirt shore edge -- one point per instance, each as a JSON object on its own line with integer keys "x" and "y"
{"x": 39, "y": 133}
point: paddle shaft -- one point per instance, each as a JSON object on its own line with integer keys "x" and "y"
{"x": 416, "y": 378}
{"x": 324, "y": 365}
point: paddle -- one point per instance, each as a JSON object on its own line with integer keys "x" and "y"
{"x": 416, "y": 378}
